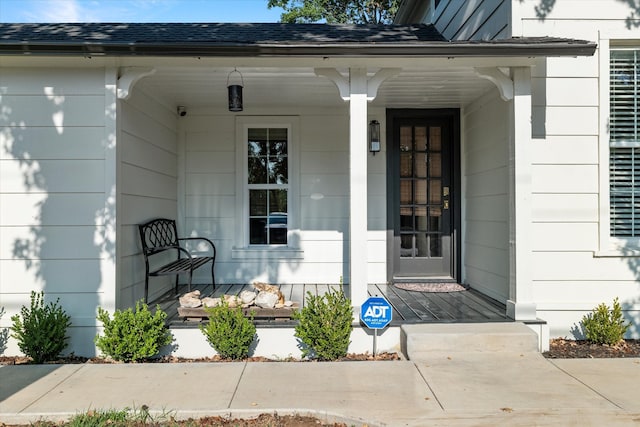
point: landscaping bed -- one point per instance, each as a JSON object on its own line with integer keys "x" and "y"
{"x": 560, "y": 348}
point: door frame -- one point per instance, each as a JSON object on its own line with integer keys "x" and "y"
{"x": 452, "y": 115}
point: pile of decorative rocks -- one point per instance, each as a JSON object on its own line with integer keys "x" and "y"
{"x": 264, "y": 296}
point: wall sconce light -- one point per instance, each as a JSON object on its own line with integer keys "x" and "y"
{"x": 374, "y": 136}
{"x": 235, "y": 90}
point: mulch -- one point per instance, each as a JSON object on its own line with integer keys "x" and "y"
{"x": 560, "y": 348}
{"x": 21, "y": 360}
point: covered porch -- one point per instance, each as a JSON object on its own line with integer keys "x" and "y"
{"x": 409, "y": 307}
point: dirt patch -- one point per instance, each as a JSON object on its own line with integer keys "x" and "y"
{"x": 263, "y": 420}
{"x": 560, "y": 348}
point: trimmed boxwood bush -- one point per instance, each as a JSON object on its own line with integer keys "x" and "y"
{"x": 131, "y": 335}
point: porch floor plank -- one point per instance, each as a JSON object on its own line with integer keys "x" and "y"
{"x": 408, "y": 307}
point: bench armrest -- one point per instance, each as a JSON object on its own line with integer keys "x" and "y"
{"x": 213, "y": 247}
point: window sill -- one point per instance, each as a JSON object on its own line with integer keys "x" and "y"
{"x": 267, "y": 253}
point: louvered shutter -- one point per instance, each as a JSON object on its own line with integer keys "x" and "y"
{"x": 624, "y": 153}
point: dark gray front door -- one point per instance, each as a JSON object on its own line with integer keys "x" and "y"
{"x": 424, "y": 196}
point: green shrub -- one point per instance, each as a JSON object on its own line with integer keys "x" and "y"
{"x": 4, "y": 334}
{"x": 325, "y": 325}
{"x": 133, "y": 335}
{"x": 604, "y": 325}
{"x": 41, "y": 330}
{"x": 229, "y": 332}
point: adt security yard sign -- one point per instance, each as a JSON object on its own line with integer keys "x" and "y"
{"x": 376, "y": 313}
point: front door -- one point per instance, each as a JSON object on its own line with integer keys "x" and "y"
{"x": 424, "y": 202}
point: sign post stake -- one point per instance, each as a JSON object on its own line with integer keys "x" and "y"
{"x": 376, "y": 313}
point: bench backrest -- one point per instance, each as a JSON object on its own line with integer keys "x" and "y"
{"x": 157, "y": 233}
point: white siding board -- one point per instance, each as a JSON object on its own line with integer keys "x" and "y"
{"x": 323, "y": 162}
{"x": 555, "y": 92}
{"x": 327, "y": 208}
{"x": 55, "y": 176}
{"x": 210, "y": 161}
{"x": 48, "y": 143}
{"x": 565, "y": 236}
{"x": 210, "y": 206}
{"x": 50, "y": 275}
{"x": 565, "y": 179}
{"x": 488, "y": 233}
{"x": 582, "y": 149}
{"x": 564, "y": 207}
{"x": 135, "y": 209}
{"x": 580, "y": 67}
{"x": 54, "y": 242}
{"x": 35, "y": 110}
{"x": 221, "y": 184}
{"x": 224, "y": 139}
{"x": 581, "y": 266}
{"x": 329, "y": 185}
{"x": 576, "y": 120}
{"x": 142, "y": 153}
{"x": 54, "y": 82}
{"x": 145, "y": 183}
{"x": 487, "y": 208}
{"x": 148, "y": 128}
{"x": 51, "y": 209}
{"x": 489, "y": 183}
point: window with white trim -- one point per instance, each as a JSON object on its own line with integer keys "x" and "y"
{"x": 268, "y": 185}
{"x": 624, "y": 142}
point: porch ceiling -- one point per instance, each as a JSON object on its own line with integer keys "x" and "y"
{"x": 271, "y": 87}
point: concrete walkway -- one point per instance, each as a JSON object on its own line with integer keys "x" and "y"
{"x": 455, "y": 389}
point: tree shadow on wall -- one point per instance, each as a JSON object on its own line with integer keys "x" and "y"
{"x": 545, "y": 7}
{"x": 56, "y": 212}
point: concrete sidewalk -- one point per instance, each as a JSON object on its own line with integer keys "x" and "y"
{"x": 456, "y": 389}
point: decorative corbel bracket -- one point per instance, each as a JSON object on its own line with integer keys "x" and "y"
{"x": 342, "y": 82}
{"x": 129, "y": 76}
{"x": 498, "y": 78}
{"x": 374, "y": 82}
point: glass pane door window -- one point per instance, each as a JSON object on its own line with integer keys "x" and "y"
{"x": 421, "y": 192}
{"x": 268, "y": 185}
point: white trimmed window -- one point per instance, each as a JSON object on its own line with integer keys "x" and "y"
{"x": 624, "y": 142}
{"x": 267, "y": 187}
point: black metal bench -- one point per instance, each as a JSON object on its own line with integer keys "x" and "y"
{"x": 161, "y": 236}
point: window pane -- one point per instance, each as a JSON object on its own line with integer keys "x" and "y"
{"x": 258, "y": 202}
{"x": 278, "y": 170}
{"x": 421, "y": 243}
{"x": 277, "y": 201}
{"x": 258, "y": 231}
{"x": 421, "y": 138}
{"x": 421, "y": 166}
{"x": 278, "y": 141}
{"x": 406, "y": 246}
{"x": 257, "y": 173}
{"x": 406, "y": 169}
{"x": 257, "y": 142}
{"x": 435, "y": 138}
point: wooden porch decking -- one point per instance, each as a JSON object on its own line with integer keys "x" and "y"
{"x": 408, "y": 307}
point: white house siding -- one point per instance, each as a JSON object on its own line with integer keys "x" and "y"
{"x": 486, "y": 195}
{"x": 55, "y": 125}
{"x": 472, "y": 19}
{"x": 570, "y": 169}
{"x": 208, "y": 199}
{"x": 148, "y": 186}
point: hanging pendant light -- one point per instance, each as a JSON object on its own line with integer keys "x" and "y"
{"x": 235, "y": 91}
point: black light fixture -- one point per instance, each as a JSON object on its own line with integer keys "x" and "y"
{"x": 374, "y": 136}
{"x": 235, "y": 90}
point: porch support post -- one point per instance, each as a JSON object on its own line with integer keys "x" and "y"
{"x": 358, "y": 185}
{"x": 520, "y": 305}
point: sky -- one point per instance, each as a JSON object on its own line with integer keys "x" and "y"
{"x": 137, "y": 11}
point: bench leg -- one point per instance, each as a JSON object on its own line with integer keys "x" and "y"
{"x": 146, "y": 289}
{"x": 213, "y": 279}
{"x": 177, "y": 277}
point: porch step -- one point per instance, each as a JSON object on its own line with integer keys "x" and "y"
{"x": 419, "y": 341}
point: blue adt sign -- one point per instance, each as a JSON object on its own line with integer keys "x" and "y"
{"x": 376, "y": 313}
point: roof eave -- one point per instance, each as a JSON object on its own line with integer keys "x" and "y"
{"x": 434, "y": 49}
